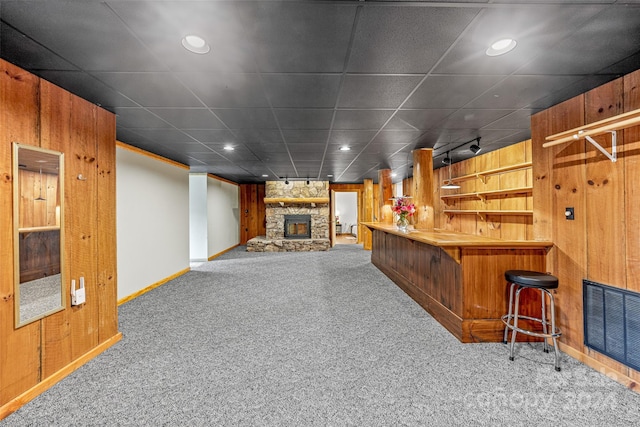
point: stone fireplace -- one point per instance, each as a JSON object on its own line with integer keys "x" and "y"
{"x": 295, "y": 200}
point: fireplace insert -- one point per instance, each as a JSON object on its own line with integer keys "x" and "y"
{"x": 297, "y": 226}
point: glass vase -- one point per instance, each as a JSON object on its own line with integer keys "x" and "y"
{"x": 402, "y": 223}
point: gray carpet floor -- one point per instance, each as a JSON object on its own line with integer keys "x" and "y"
{"x": 313, "y": 339}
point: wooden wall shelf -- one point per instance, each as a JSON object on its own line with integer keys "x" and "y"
{"x": 482, "y": 213}
{"x": 483, "y": 195}
{"x": 483, "y": 175}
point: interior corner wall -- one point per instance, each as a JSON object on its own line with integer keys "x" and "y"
{"x": 223, "y": 216}
{"x": 198, "y": 233}
{"x": 152, "y": 220}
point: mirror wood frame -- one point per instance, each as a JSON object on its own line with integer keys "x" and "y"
{"x": 35, "y": 151}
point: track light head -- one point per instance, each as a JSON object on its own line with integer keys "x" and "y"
{"x": 447, "y": 160}
{"x": 286, "y": 181}
{"x": 475, "y": 148}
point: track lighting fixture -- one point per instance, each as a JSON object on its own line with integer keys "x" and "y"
{"x": 449, "y": 185}
{"x": 286, "y": 181}
{"x": 447, "y": 159}
{"x": 475, "y": 148}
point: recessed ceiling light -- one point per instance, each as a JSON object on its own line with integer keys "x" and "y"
{"x": 501, "y": 47}
{"x": 344, "y": 148}
{"x": 195, "y": 44}
{"x": 393, "y": 175}
{"x": 329, "y": 176}
{"x": 264, "y": 175}
{"x": 228, "y": 148}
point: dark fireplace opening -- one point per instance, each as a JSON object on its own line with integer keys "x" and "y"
{"x": 297, "y": 226}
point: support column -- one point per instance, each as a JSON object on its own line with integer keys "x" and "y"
{"x": 367, "y": 214}
{"x": 423, "y": 189}
{"x": 385, "y": 188}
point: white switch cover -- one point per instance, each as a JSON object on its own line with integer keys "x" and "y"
{"x": 77, "y": 295}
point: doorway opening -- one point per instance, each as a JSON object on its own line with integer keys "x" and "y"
{"x": 346, "y": 217}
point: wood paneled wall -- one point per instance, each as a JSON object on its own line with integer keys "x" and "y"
{"x": 35, "y": 112}
{"x": 602, "y": 243}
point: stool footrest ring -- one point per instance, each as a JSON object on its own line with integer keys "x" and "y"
{"x": 506, "y": 319}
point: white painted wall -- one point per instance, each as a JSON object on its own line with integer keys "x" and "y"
{"x": 198, "y": 220}
{"x": 223, "y": 216}
{"x": 152, "y": 202}
{"x": 347, "y": 205}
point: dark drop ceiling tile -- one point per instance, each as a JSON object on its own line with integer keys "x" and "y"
{"x": 211, "y": 135}
{"x": 298, "y": 36}
{"x": 87, "y": 87}
{"x": 305, "y": 136}
{"x": 352, "y": 137}
{"x": 27, "y": 53}
{"x": 189, "y": 118}
{"x": 520, "y": 91}
{"x": 397, "y": 136}
{"x": 150, "y": 89}
{"x": 302, "y": 90}
{"x": 77, "y": 30}
{"x": 361, "y": 119}
{"x": 520, "y": 119}
{"x": 226, "y": 90}
{"x": 450, "y": 91}
{"x": 362, "y": 91}
{"x": 260, "y": 136}
{"x": 473, "y": 118}
{"x": 612, "y": 37}
{"x": 405, "y": 39}
{"x": 422, "y": 119}
{"x": 247, "y": 118}
{"x": 290, "y": 118}
{"x": 163, "y": 136}
{"x": 138, "y": 118}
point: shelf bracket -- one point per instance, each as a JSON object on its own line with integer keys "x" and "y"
{"x": 613, "y": 156}
{"x": 481, "y": 215}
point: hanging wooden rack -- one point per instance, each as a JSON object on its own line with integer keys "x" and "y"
{"x": 610, "y": 125}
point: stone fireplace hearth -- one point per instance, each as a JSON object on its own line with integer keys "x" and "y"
{"x": 297, "y": 198}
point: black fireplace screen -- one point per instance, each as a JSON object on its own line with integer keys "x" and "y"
{"x": 297, "y": 226}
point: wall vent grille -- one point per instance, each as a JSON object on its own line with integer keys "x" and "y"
{"x": 612, "y": 322}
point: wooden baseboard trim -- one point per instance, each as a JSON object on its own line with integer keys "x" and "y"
{"x": 153, "y": 286}
{"x": 15, "y": 404}
{"x": 212, "y": 257}
{"x": 617, "y": 376}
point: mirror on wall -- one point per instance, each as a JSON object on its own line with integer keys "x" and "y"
{"x": 37, "y": 220}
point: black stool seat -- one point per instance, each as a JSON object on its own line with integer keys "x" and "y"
{"x": 531, "y": 279}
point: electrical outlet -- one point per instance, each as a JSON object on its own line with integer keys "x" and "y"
{"x": 568, "y": 213}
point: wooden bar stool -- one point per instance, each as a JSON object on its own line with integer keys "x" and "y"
{"x": 523, "y": 279}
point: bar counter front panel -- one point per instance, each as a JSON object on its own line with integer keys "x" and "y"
{"x": 458, "y": 278}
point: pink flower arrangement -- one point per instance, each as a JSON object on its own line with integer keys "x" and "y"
{"x": 403, "y": 207}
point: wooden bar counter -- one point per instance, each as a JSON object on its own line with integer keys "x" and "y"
{"x": 458, "y": 278}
